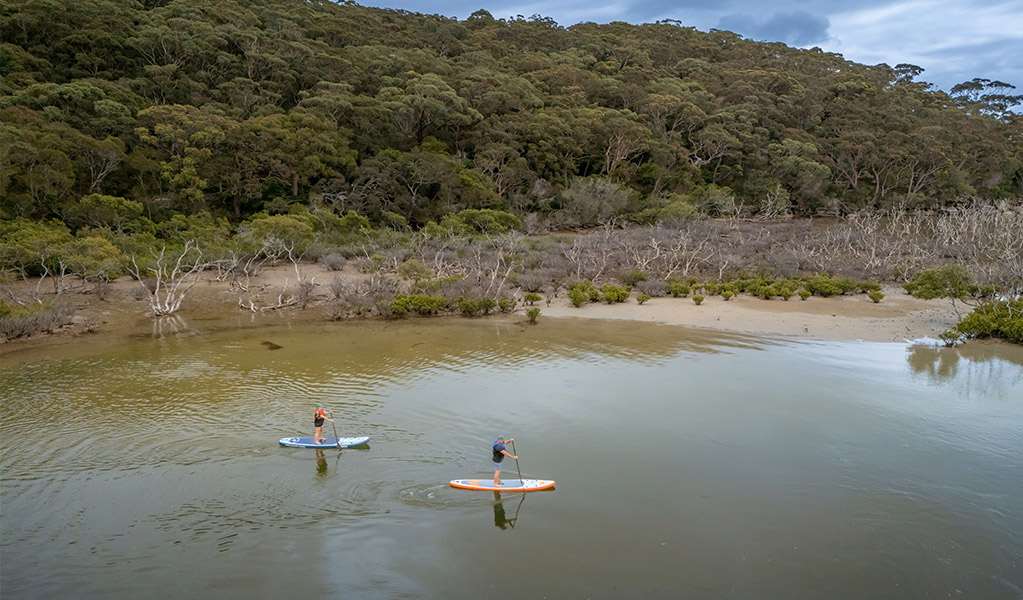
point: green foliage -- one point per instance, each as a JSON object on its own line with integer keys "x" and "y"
{"x": 578, "y": 296}
{"x": 727, "y": 295}
{"x": 1000, "y": 319}
{"x": 612, "y": 294}
{"x": 825, "y": 285}
{"x": 532, "y": 314}
{"x": 875, "y": 296}
{"x": 804, "y": 294}
{"x": 506, "y": 305}
{"x": 481, "y": 221}
{"x": 583, "y": 291}
{"x": 950, "y": 281}
{"x": 678, "y": 289}
{"x": 414, "y": 270}
{"x": 642, "y": 298}
{"x": 532, "y": 298}
{"x": 697, "y": 300}
{"x": 421, "y": 304}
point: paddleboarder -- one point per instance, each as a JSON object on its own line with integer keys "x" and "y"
{"x": 499, "y": 454}
{"x": 318, "y": 416}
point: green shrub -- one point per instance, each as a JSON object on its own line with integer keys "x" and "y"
{"x": 697, "y": 299}
{"x": 785, "y": 293}
{"x": 869, "y": 286}
{"x": 413, "y": 270}
{"x": 421, "y": 304}
{"x": 712, "y": 288}
{"x": 642, "y": 298}
{"x": 678, "y": 289}
{"x": 1001, "y": 319}
{"x": 586, "y": 287}
{"x": 950, "y": 337}
{"x": 469, "y": 306}
{"x": 875, "y": 295}
{"x": 612, "y": 294}
{"x": 727, "y": 295}
{"x": 506, "y": 304}
{"x": 532, "y": 298}
{"x": 767, "y": 292}
{"x": 804, "y": 294}
{"x": 950, "y": 281}
{"x": 578, "y": 296}
{"x": 824, "y": 285}
{"x": 532, "y": 314}
{"x": 987, "y": 291}
{"x": 484, "y": 220}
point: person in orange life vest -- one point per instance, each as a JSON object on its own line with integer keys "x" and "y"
{"x": 318, "y": 416}
{"x": 499, "y": 454}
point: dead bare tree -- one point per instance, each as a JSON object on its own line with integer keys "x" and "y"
{"x": 172, "y": 276}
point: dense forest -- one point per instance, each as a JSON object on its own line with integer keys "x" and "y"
{"x": 235, "y": 108}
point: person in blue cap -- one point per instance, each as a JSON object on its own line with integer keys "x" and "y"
{"x": 499, "y": 454}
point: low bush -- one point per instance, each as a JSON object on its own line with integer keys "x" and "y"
{"x": 470, "y": 307}
{"x": 578, "y": 296}
{"x": 950, "y": 281}
{"x": 727, "y": 295}
{"x": 583, "y": 291}
{"x": 421, "y": 304}
{"x": 30, "y": 319}
{"x": 678, "y": 289}
{"x": 642, "y": 298}
{"x": 697, "y": 299}
{"x": 1002, "y": 319}
{"x": 532, "y": 314}
{"x": 825, "y": 285}
{"x": 532, "y": 298}
{"x": 612, "y": 294}
{"x": 875, "y": 296}
{"x": 803, "y": 294}
{"x": 333, "y": 261}
{"x": 506, "y": 305}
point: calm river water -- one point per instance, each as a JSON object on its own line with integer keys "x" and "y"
{"x": 689, "y": 464}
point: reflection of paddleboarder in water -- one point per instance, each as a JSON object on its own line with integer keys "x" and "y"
{"x": 501, "y": 519}
{"x": 321, "y": 462}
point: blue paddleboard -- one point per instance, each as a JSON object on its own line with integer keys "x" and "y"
{"x": 325, "y": 442}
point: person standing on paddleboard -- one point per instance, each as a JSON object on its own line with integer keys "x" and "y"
{"x": 499, "y": 454}
{"x": 318, "y": 416}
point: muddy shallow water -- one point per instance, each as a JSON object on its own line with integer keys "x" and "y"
{"x": 689, "y": 464}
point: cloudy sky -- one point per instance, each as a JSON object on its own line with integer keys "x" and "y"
{"x": 953, "y": 40}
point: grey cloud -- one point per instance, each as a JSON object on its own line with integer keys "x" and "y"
{"x": 796, "y": 28}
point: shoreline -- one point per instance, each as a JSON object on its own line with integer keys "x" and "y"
{"x": 899, "y": 317}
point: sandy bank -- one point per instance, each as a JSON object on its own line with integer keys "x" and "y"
{"x": 898, "y": 317}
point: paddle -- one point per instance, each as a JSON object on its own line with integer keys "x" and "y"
{"x": 335, "y": 430}
{"x": 517, "y": 461}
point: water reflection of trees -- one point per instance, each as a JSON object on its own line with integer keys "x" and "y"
{"x": 977, "y": 362}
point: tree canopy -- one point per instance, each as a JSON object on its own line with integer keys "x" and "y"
{"x": 121, "y": 115}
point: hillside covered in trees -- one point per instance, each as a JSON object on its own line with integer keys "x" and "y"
{"x": 109, "y": 108}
